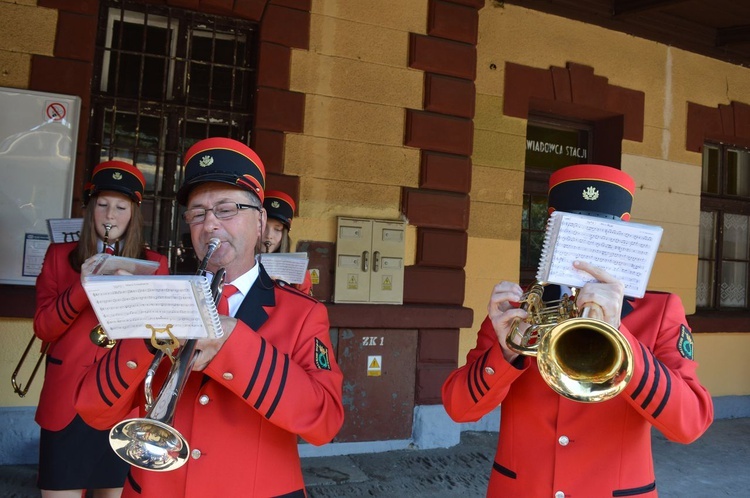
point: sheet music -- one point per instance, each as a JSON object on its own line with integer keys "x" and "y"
{"x": 626, "y": 250}
{"x": 64, "y": 229}
{"x": 108, "y": 264}
{"x": 289, "y": 267}
{"x": 131, "y": 306}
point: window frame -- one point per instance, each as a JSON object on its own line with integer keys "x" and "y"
{"x": 715, "y": 318}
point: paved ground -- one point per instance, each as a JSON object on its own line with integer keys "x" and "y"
{"x": 717, "y": 465}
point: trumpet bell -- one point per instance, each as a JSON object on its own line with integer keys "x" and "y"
{"x": 149, "y": 444}
{"x": 585, "y": 360}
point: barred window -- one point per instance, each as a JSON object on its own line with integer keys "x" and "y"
{"x": 724, "y": 244}
{"x": 165, "y": 78}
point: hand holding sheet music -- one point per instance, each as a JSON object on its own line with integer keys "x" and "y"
{"x": 107, "y": 264}
{"x": 626, "y": 250}
{"x": 287, "y": 266}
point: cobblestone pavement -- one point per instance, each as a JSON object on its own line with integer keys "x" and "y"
{"x": 714, "y": 466}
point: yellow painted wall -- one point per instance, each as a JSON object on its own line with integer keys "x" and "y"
{"x": 351, "y": 157}
{"x": 722, "y": 363}
{"x": 25, "y": 30}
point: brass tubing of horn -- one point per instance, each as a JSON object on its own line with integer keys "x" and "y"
{"x": 18, "y": 386}
{"x": 98, "y": 335}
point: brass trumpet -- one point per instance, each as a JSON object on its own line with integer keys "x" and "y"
{"x": 98, "y": 335}
{"x": 579, "y": 356}
{"x": 151, "y": 442}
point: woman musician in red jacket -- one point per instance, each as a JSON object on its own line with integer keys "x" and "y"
{"x": 73, "y": 456}
{"x": 280, "y": 208}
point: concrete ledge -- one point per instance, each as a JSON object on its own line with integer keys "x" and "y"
{"x": 19, "y": 441}
{"x": 337, "y": 449}
{"x": 731, "y": 407}
{"x": 432, "y": 429}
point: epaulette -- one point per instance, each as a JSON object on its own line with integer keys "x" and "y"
{"x": 291, "y": 288}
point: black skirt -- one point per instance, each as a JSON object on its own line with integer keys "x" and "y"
{"x": 79, "y": 457}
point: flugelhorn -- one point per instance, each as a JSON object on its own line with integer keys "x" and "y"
{"x": 98, "y": 335}
{"x": 579, "y": 355}
{"x": 151, "y": 442}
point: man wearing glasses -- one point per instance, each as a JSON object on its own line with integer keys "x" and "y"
{"x": 270, "y": 379}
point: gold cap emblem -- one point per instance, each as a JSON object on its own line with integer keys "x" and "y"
{"x": 275, "y": 204}
{"x": 206, "y": 161}
{"x": 590, "y": 194}
{"x": 117, "y": 175}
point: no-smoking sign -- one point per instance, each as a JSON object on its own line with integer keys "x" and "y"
{"x": 55, "y": 111}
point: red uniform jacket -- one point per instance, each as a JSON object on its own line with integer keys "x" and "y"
{"x": 549, "y": 444}
{"x": 306, "y": 286}
{"x": 64, "y": 318}
{"x": 273, "y": 380}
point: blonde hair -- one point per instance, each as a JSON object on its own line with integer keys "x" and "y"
{"x": 131, "y": 245}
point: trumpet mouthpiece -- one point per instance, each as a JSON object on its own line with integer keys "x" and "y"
{"x": 213, "y": 244}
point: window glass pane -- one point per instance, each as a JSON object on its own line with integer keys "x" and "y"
{"x": 125, "y": 133}
{"x": 704, "y": 295}
{"x": 710, "y": 174}
{"x": 525, "y": 260}
{"x": 707, "y": 237}
{"x": 525, "y": 212}
{"x": 536, "y": 241}
{"x": 538, "y": 216}
{"x": 533, "y": 223}
{"x": 736, "y": 236}
{"x": 139, "y": 59}
{"x": 733, "y": 285}
{"x": 738, "y": 172}
{"x": 214, "y": 73}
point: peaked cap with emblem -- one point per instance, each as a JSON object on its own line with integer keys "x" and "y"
{"x": 280, "y": 206}
{"x": 222, "y": 160}
{"x": 593, "y": 190}
{"x": 116, "y": 176}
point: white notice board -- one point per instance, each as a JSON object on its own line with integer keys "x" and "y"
{"x": 38, "y": 136}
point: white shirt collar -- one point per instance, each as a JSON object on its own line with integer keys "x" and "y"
{"x": 243, "y": 283}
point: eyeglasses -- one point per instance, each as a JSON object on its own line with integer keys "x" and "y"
{"x": 222, "y": 211}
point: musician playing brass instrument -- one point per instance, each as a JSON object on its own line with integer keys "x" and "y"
{"x": 74, "y": 456}
{"x": 280, "y": 209}
{"x": 553, "y": 445}
{"x": 270, "y": 379}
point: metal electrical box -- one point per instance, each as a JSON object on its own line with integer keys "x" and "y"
{"x": 369, "y": 261}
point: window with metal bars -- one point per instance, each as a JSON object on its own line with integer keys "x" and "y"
{"x": 165, "y": 78}
{"x": 724, "y": 243}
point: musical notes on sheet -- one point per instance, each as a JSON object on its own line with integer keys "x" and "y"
{"x": 626, "y": 250}
{"x": 125, "y": 305}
